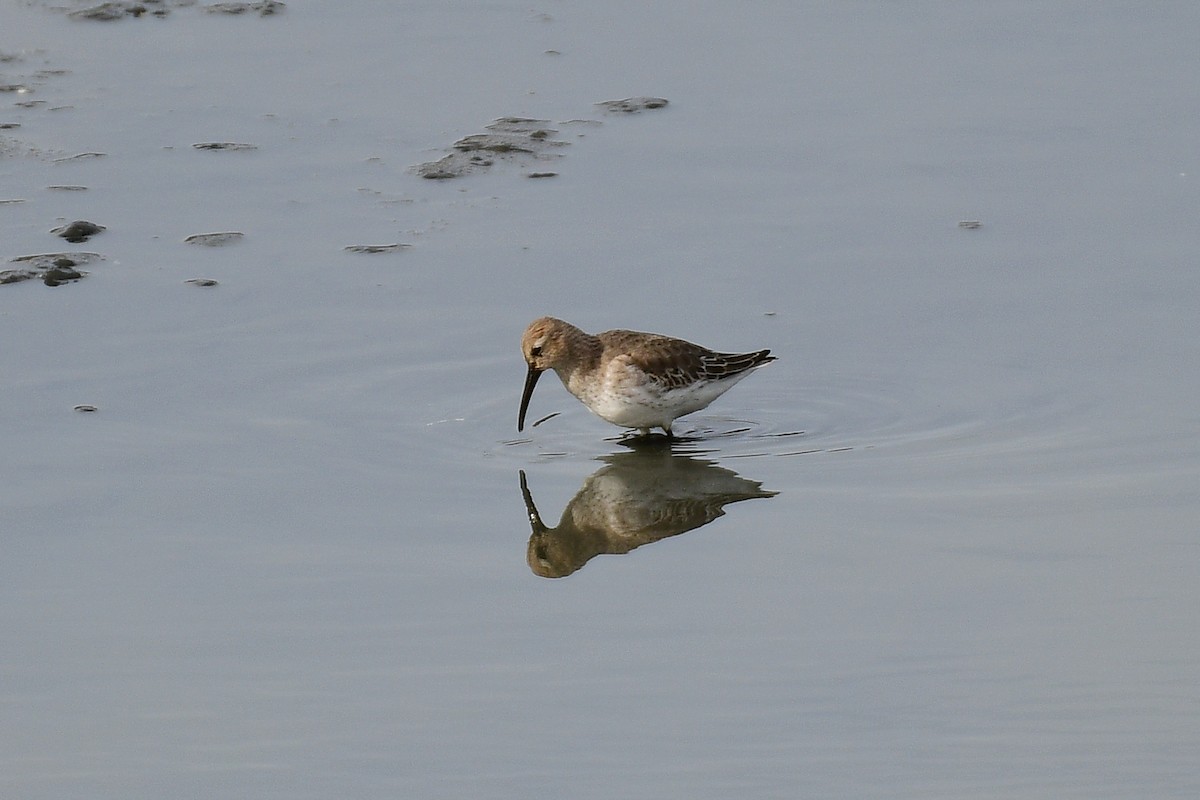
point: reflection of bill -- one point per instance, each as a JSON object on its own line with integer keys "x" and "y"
{"x": 639, "y": 497}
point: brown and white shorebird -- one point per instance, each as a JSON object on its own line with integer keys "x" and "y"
{"x": 631, "y": 379}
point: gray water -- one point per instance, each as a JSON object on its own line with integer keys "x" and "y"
{"x": 944, "y": 547}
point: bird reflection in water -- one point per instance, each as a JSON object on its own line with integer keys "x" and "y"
{"x": 637, "y": 498}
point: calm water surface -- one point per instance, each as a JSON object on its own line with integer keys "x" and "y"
{"x": 944, "y": 547}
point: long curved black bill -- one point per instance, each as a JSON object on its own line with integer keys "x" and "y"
{"x": 531, "y": 379}
{"x": 535, "y": 521}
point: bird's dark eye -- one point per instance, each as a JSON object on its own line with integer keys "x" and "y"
{"x": 535, "y": 351}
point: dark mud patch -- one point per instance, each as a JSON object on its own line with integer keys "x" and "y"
{"x": 372, "y": 249}
{"x": 52, "y": 269}
{"x": 215, "y": 239}
{"x": 516, "y": 139}
{"x": 224, "y": 146}
{"x": 522, "y": 141}
{"x": 79, "y": 157}
{"x": 264, "y": 9}
{"x": 107, "y": 12}
{"x": 124, "y": 9}
{"x": 632, "y": 105}
{"x": 78, "y": 231}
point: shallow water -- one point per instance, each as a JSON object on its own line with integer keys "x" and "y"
{"x": 944, "y": 547}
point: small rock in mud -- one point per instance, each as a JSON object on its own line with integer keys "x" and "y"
{"x": 632, "y": 105}
{"x": 543, "y": 175}
{"x": 224, "y": 146}
{"x": 263, "y": 9}
{"x": 78, "y": 231}
{"x": 214, "y": 239}
{"x": 68, "y": 188}
{"x": 56, "y": 276}
{"x": 201, "y": 282}
{"x": 86, "y": 409}
{"x": 375, "y": 248}
{"x": 9, "y": 126}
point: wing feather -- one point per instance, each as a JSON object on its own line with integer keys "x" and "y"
{"x": 674, "y": 363}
